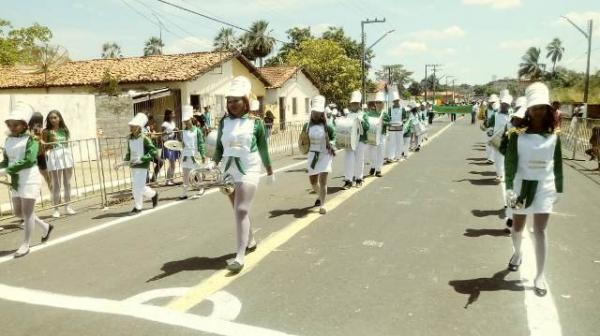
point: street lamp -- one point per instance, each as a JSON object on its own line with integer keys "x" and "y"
{"x": 588, "y": 36}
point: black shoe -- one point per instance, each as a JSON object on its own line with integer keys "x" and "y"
{"x": 135, "y": 211}
{"x": 378, "y": 174}
{"x": 372, "y": 171}
{"x": 418, "y": 149}
{"x": 540, "y": 291}
{"x": 45, "y": 238}
{"x": 359, "y": 183}
{"x": 251, "y": 249}
{"x": 318, "y": 203}
{"x": 347, "y": 185}
{"x": 235, "y": 267}
{"x": 155, "y": 200}
{"x": 183, "y": 197}
{"x": 514, "y": 267}
{"x": 509, "y": 222}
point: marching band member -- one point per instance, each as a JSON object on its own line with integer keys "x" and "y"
{"x": 241, "y": 147}
{"x": 499, "y": 123}
{"x": 493, "y": 106}
{"x": 534, "y": 176}
{"x": 140, "y": 152}
{"x": 395, "y": 146}
{"x": 193, "y": 145}
{"x": 321, "y": 150}
{"x": 20, "y": 163}
{"x": 59, "y": 160}
{"x": 377, "y": 152}
{"x": 355, "y": 159}
{"x": 407, "y": 127}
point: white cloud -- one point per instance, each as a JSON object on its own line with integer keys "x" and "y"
{"x": 496, "y": 4}
{"x": 450, "y": 32}
{"x": 523, "y": 44}
{"x": 187, "y": 44}
{"x": 409, "y": 47}
{"x": 448, "y": 51}
{"x": 581, "y": 19}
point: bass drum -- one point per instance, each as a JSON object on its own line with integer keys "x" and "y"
{"x": 374, "y": 132}
{"x": 347, "y": 133}
{"x": 211, "y": 143}
{"x": 420, "y": 128}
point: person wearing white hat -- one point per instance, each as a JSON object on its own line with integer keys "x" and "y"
{"x": 377, "y": 153}
{"x": 20, "y": 163}
{"x": 321, "y": 151}
{"x": 169, "y": 130}
{"x": 492, "y": 108}
{"x": 254, "y": 107}
{"x": 534, "y": 177}
{"x": 355, "y": 159}
{"x": 241, "y": 148}
{"x": 193, "y": 146}
{"x": 408, "y": 127}
{"x": 140, "y": 152}
{"x": 395, "y": 143}
{"x": 474, "y": 111}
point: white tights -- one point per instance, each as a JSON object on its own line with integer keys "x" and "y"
{"x": 23, "y": 208}
{"x": 540, "y": 223}
{"x": 242, "y": 201}
{"x": 57, "y": 176}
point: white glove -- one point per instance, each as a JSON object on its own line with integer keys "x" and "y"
{"x": 3, "y": 172}
{"x": 511, "y": 198}
{"x": 271, "y": 179}
{"x": 135, "y": 162}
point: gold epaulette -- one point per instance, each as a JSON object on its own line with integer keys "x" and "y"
{"x": 517, "y": 131}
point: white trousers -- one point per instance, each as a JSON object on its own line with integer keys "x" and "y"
{"x": 376, "y": 154}
{"x": 407, "y": 144}
{"x": 498, "y": 162}
{"x": 139, "y": 187}
{"x": 395, "y": 145}
{"x": 355, "y": 163}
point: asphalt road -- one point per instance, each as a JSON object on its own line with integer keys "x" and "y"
{"x": 419, "y": 251}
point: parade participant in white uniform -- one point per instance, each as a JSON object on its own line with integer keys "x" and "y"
{"x": 241, "y": 147}
{"x": 140, "y": 152}
{"x": 492, "y": 108}
{"x": 169, "y": 129}
{"x": 193, "y": 147}
{"x": 395, "y": 145}
{"x": 59, "y": 159}
{"x": 407, "y": 126}
{"x": 355, "y": 159}
{"x": 534, "y": 176}
{"x": 321, "y": 150}
{"x": 20, "y": 163}
{"x": 377, "y": 153}
{"x": 499, "y": 123}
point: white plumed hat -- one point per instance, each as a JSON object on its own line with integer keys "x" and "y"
{"x": 379, "y": 96}
{"x": 254, "y": 105}
{"x": 240, "y": 87}
{"x": 537, "y": 94}
{"x": 317, "y": 104}
{"x": 395, "y": 95}
{"x": 493, "y": 98}
{"x": 356, "y": 97}
{"x": 505, "y": 97}
{"x": 521, "y": 102}
{"x": 20, "y": 111}
{"x": 187, "y": 112}
{"x": 140, "y": 120}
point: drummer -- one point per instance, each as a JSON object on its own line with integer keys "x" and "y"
{"x": 377, "y": 151}
{"x": 193, "y": 147}
{"x": 355, "y": 158}
{"x": 395, "y": 145}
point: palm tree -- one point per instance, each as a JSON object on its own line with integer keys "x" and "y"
{"x": 153, "y": 46}
{"x": 531, "y": 66}
{"x": 111, "y": 50}
{"x": 225, "y": 40}
{"x": 45, "y": 59}
{"x": 246, "y": 48}
{"x": 555, "y": 52}
{"x": 259, "y": 41}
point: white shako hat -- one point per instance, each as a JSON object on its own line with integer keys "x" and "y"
{"x": 356, "y": 97}
{"x": 379, "y": 96}
{"x": 20, "y": 111}
{"x": 240, "y": 87}
{"x": 521, "y": 102}
{"x": 505, "y": 97}
{"x": 254, "y": 105}
{"x": 537, "y": 94}
{"x": 140, "y": 119}
{"x": 493, "y": 98}
{"x": 317, "y": 104}
{"x": 395, "y": 95}
{"x": 187, "y": 112}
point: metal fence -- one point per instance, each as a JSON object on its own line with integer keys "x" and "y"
{"x": 576, "y": 136}
{"x": 94, "y": 176}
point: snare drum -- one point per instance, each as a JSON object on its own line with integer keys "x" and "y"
{"x": 211, "y": 143}
{"x": 347, "y": 133}
{"x": 374, "y": 132}
{"x": 420, "y": 129}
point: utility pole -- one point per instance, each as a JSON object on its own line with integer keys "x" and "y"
{"x": 588, "y": 36}
{"x": 453, "y": 93}
{"x": 426, "y": 78}
{"x": 364, "y": 54}
{"x": 434, "y": 66}
{"x": 160, "y": 28}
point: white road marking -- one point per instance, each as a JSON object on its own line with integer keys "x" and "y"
{"x": 132, "y": 309}
{"x": 78, "y": 234}
{"x": 542, "y": 315}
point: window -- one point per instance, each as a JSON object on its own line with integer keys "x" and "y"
{"x": 195, "y": 102}
{"x": 307, "y": 105}
{"x": 294, "y": 105}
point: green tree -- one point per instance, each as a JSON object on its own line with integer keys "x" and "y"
{"x": 352, "y": 47}
{"x": 111, "y": 50}
{"x": 415, "y": 89}
{"x": 337, "y": 74}
{"x": 530, "y": 66}
{"x": 44, "y": 59}
{"x": 17, "y": 45}
{"x": 110, "y": 84}
{"x": 295, "y": 36}
{"x": 153, "y": 46}
{"x": 225, "y": 40}
{"x": 258, "y": 42}
{"x": 399, "y": 75}
{"x": 555, "y": 52}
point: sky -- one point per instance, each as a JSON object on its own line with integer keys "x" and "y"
{"x": 476, "y": 41}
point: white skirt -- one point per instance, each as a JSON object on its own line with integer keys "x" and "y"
{"x": 59, "y": 158}
{"x": 30, "y": 182}
{"x": 543, "y": 202}
{"x": 323, "y": 163}
{"x": 187, "y": 162}
{"x": 252, "y": 169}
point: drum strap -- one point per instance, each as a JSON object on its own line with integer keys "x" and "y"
{"x": 238, "y": 164}
{"x": 315, "y": 159}
{"x": 528, "y": 191}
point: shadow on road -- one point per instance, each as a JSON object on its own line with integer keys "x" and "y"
{"x": 474, "y": 233}
{"x": 483, "y": 173}
{"x": 333, "y": 190}
{"x": 193, "y": 264}
{"x": 485, "y": 213}
{"x": 7, "y": 252}
{"x": 474, "y": 287}
{"x": 480, "y": 163}
{"x": 480, "y": 182}
{"x": 476, "y": 159}
{"x": 296, "y": 212}
{"x": 113, "y": 215}
{"x": 299, "y": 170}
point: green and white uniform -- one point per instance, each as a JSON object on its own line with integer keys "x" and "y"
{"x": 193, "y": 144}
{"x": 321, "y": 139}
{"x": 20, "y": 162}
{"x": 377, "y": 153}
{"x": 58, "y": 156}
{"x": 355, "y": 159}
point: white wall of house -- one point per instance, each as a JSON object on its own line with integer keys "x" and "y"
{"x": 298, "y": 87}
{"x": 78, "y": 110}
